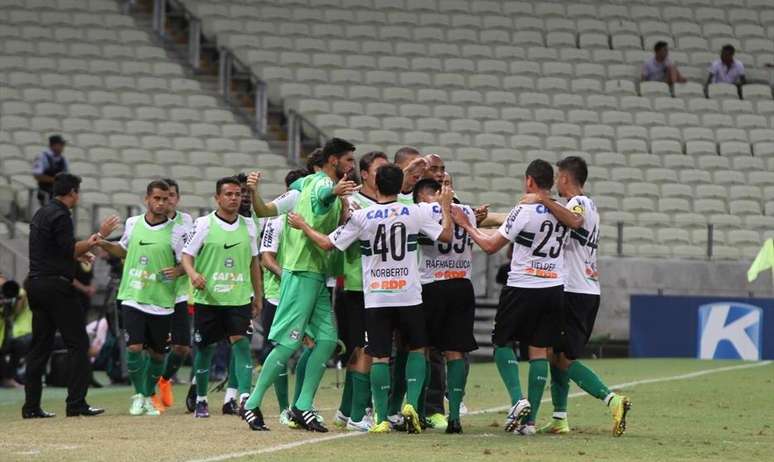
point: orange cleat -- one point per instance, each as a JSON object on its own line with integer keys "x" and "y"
{"x": 158, "y": 403}
{"x": 165, "y": 391}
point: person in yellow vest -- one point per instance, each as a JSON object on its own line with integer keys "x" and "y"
{"x": 19, "y": 336}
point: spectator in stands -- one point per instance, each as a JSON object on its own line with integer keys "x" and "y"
{"x": 47, "y": 165}
{"x": 727, "y": 69}
{"x": 659, "y": 68}
{"x": 15, "y": 339}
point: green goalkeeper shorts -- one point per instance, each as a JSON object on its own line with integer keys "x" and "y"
{"x": 304, "y": 308}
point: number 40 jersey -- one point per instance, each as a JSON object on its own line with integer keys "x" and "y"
{"x": 387, "y": 235}
{"x": 539, "y": 239}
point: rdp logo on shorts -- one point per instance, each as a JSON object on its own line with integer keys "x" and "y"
{"x": 730, "y": 330}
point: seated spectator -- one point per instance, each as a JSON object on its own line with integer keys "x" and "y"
{"x": 727, "y": 69}
{"x": 15, "y": 340}
{"x": 660, "y": 68}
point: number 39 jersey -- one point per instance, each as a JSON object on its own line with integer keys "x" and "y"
{"x": 388, "y": 243}
{"x": 538, "y": 238}
{"x": 447, "y": 260}
{"x": 580, "y": 255}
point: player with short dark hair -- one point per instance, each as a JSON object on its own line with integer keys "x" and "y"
{"x": 581, "y": 298}
{"x": 387, "y": 233}
{"x": 151, "y": 247}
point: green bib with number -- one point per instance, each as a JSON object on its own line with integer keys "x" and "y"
{"x": 224, "y": 261}
{"x": 148, "y": 252}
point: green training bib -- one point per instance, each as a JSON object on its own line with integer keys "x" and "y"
{"x": 149, "y": 252}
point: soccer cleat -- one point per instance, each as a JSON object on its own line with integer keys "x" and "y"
{"x": 556, "y": 427}
{"x": 190, "y": 398}
{"x": 397, "y": 422}
{"x": 525, "y": 430}
{"x": 254, "y": 419}
{"x": 230, "y": 407}
{"x": 362, "y": 426}
{"x": 308, "y": 420}
{"x": 317, "y": 415}
{"x": 619, "y": 407}
{"x": 340, "y": 420}
{"x": 157, "y": 402}
{"x": 437, "y": 421}
{"x": 165, "y": 392}
{"x": 202, "y": 410}
{"x": 382, "y": 427}
{"x": 149, "y": 408}
{"x": 241, "y": 408}
{"x": 413, "y": 424}
{"x": 517, "y": 415}
{"x": 284, "y": 418}
{"x": 453, "y": 426}
{"x": 138, "y": 405}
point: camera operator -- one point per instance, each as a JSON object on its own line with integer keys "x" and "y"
{"x": 15, "y": 331}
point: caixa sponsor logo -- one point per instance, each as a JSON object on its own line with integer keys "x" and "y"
{"x": 730, "y": 330}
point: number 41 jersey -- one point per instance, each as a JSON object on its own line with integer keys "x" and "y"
{"x": 539, "y": 240}
{"x": 387, "y": 235}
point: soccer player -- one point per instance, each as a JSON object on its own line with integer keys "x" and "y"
{"x": 271, "y": 260}
{"x": 387, "y": 234}
{"x": 304, "y": 302}
{"x": 221, "y": 259}
{"x": 180, "y": 331}
{"x": 581, "y": 298}
{"x": 350, "y": 310}
{"x": 413, "y": 165}
{"x": 150, "y": 245}
{"x": 448, "y": 299}
{"x": 531, "y": 303}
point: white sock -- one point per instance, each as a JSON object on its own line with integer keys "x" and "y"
{"x": 199, "y": 399}
{"x": 243, "y": 396}
{"x": 560, "y": 415}
{"x": 609, "y": 397}
{"x": 231, "y": 393}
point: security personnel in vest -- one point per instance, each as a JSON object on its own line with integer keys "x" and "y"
{"x": 47, "y": 165}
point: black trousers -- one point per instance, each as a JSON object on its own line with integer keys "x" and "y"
{"x": 55, "y": 307}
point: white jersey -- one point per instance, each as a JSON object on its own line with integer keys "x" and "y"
{"x": 538, "y": 238}
{"x": 186, "y": 221}
{"x": 272, "y": 233}
{"x": 388, "y": 243}
{"x": 580, "y": 255}
{"x": 453, "y": 260}
{"x": 286, "y": 202}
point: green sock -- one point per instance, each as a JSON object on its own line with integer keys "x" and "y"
{"x": 422, "y": 404}
{"x": 398, "y": 383}
{"x": 380, "y": 390}
{"x": 275, "y": 364}
{"x": 587, "y": 380}
{"x": 315, "y": 368}
{"x": 173, "y": 363}
{"x": 152, "y": 374}
{"x": 281, "y": 389}
{"x": 416, "y": 370}
{"x": 361, "y": 394}
{"x": 346, "y": 395}
{"x": 202, "y": 361}
{"x": 560, "y": 389}
{"x": 243, "y": 365}
{"x": 508, "y": 367}
{"x": 538, "y": 376}
{"x": 135, "y": 366}
{"x": 456, "y": 377}
{"x": 300, "y": 372}
{"x": 233, "y": 378}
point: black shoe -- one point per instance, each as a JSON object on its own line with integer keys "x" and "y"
{"x": 254, "y": 419}
{"x": 87, "y": 411}
{"x": 36, "y": 414}
{"x": 424, "y": 423}
{"x": 307, "y": 420}
{"x": 190, "y": 398}
{"x": 230, "y": 408}
{"x": 454, "y": 426}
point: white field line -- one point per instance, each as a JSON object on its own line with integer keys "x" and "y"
{"x": 282, "y": 447}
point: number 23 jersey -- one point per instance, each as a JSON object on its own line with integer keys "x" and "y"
{"x": 388, "y": 243}
{"x": 539, "y": 240}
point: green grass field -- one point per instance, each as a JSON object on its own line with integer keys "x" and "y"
{"x": 679, "y": 413}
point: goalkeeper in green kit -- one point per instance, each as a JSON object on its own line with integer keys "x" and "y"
{"x": 304, "y": 302}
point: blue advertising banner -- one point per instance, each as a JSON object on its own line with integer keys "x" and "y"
{"x": 701, "y": 327}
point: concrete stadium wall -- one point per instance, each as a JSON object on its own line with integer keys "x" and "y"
{"x": 623, "y": 277}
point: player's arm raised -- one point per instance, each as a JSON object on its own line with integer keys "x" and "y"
{"x": 261, "y": 208}
{"x": 446, "y": 222}
{"x": 566, "y": 216}
{"x": 489, "y": 243}
{"x": 320, "y": 240}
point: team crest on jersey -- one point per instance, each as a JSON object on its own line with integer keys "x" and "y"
{"x": 295, "y": 335}
{"x": 143, "y": 260}
{"x": 577, "y": 209}
{"x": 197, "y": 336}
{"x": 229, "y": 262}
